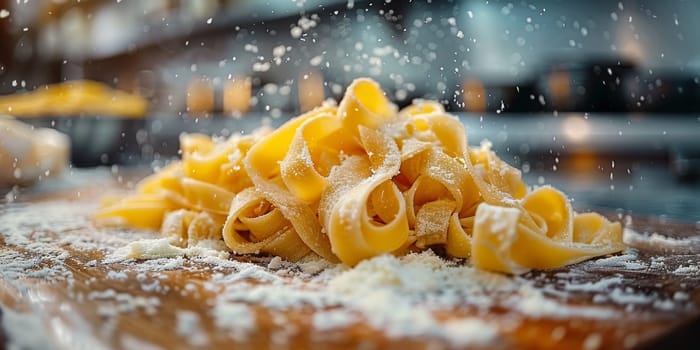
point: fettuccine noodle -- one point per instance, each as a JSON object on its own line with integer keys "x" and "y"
{"x": 361, "y": 179}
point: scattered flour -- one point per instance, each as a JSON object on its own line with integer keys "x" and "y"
{"x": 627, "y": 261}
{"x": 687, "y": 270}
{"x": 24, "y": 331}
{"x": 464, "y": 332}
{"x": 592, "y": 342}
{"x": 597, "y": 286}
{"x": 533, "y": 303}
{"x": 238, "y": 319}
{"x": 129, "y": 342}
{"x": 189, "y": 327}
{"x": 689, "y": 245}
{"x": 333, "y": 319}
{"x": 400, "y": 296}
{"x": 163, "y": 248}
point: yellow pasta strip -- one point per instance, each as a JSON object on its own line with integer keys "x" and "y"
{"x": 264, "y": 157}
{"x": 207, "y": 197}
{"x": 433, "y": 221}
{"x": 262, "y": 163}
{"x": 144, "y": 212}
{"x": 554, "y": 209}
{"x": 298, "y": 170}
{"x": 175, "y": 225}
{"x": 459, "y": 242}
{"x": 592, "y": 228}
{"x": 365, "y": 104}
{"x": 502, "y": 177}
{"x": 167, "y": 178}
{"x": 189, "y": 227}
{"x": 503, "y": 242}
{"x": 420, "y": 106}
{"x": 443, "y": 129}
{"x": 353, "y": 234}
{"x": 283, "y": 242}
{"x": 217, "y": 163}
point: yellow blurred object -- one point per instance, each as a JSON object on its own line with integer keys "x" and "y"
{"x": 474, "y": 96}
{"x": 560, "y": 88}
{"x": 200, "y": 97}
{"x": 74, "y": 98}
{"x": 311, "y": 92}
{"x": 237, "y": 92}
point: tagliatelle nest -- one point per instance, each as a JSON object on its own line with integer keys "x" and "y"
{"x": 359, "y": 180}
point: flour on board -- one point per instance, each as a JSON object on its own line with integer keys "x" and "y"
{"x": 397, "y": 296}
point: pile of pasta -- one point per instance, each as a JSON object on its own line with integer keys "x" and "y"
{"x": 360, "y": 179}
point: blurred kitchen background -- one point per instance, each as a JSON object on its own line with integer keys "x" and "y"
{"x": 601, "y": 98}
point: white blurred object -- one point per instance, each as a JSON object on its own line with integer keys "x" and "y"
{"x": 28, "y": 154}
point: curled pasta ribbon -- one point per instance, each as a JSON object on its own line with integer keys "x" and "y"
{"x": 262, "y": 163}
{"x": 441, "y": 189}
{"x": 204, "y": 196}
{"x": 167, "y": 179}
{"x": 354, "y": 233}
{"x": 365, "y": 104}
{"x": 219, "y": 163}
{"x": 500, "y": 181}
{"x": 187, "y": 228}
{"x": 313, "y": 151}
{"x": 503, "y": 241}
{"x": 143, "y": 212}
{"x": 443, "y": 130}
{"x": 264, "y": 156}
{"x": 448, "y": 178}
{"x": 459, "y": 236}
{"x": 421, "y": 106}
{"x": 253, "y": 226}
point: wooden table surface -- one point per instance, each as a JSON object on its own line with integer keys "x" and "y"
{"x": 71, "y": 315}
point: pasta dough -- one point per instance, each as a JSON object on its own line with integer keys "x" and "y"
{"x": 361, "y": 179}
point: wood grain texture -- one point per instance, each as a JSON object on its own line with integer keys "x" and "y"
{"x": 73, "y": 317}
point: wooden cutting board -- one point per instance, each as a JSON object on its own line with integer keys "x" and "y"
{"x": 86, "y": 303}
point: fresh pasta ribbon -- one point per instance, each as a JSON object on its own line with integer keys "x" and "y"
{"x": 304, "y": 172}
{"x": 144, "y": 212}
{"x": 361, "y": 179}
{"x": 354, "y": 234}
{"x": 459, "y": 233}
{"x": 220, "y": 163}
{"x": 502, "y": 241}
{"x": 204, "y": 196}
{"x": 262, "y": 163}
{"x": 254, "y": 226}
{"x": 188, "y": 228}
{"x": 503, "y": 178}
{"x": 365, "y": 104}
